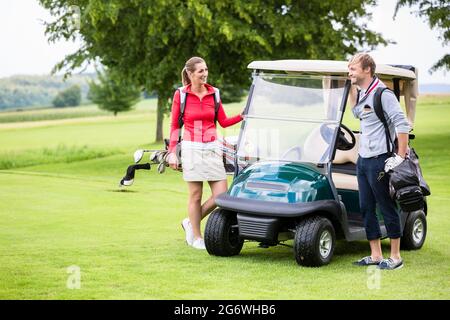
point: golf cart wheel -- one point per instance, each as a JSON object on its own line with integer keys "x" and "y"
{"x": 415, "y": 231}
{"x": 222, "y": 234}
{"x": 314, "y": 242}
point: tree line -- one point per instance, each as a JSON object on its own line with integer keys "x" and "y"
{"x": 39, "y": 91}
{"x": 107, "y": 90}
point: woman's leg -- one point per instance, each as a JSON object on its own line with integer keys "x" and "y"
{"x": 217, "y": 187}
{"x": 194, "y": 206}
{"x": 208, "y": 206}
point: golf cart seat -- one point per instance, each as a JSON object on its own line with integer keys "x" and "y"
{"x": 345, "y": 181}
{"x": 344, "y": 167}
{"x": 344, "y": 163}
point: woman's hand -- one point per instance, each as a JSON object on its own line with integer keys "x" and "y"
{"x": 173, "y": 160}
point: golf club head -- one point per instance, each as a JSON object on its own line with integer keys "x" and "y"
{"x": 154, "y": 156}
{"x": 125, "y": 183}
{"x": 160, "y": 157}
{"x": 138, "y": 154}
{"x": 161, "y": 167}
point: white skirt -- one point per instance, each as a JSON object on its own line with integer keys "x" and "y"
{"x": 202, "y": 161}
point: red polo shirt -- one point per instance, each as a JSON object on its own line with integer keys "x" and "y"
{"x": 198, "y": 117}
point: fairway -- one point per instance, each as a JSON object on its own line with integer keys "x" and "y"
{"x": 60, "y": 206}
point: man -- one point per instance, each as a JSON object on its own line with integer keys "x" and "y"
{"x": 374, "y": 162}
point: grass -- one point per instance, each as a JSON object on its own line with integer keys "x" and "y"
{"x": 62, "y": 153}
{"x": 60, "y": 206}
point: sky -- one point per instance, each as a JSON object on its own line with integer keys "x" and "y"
{"x": 25, "y": 49}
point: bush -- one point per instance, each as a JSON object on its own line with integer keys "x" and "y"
{"x": 70, "y": 97}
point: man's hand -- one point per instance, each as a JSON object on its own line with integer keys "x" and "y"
{"x": 392, "y": 162}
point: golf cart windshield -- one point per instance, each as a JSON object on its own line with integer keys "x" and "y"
{"x": 291, "y": 118}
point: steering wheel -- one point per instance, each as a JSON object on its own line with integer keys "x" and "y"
{"x": 342, "y": 142}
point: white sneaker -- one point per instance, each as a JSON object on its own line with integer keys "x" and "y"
{"x": 199, "y": 243}
{"x": 187, "y": 227}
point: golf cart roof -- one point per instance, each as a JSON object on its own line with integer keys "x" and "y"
{"x": 329, "y": 67}
{"x": 402, "y": 79}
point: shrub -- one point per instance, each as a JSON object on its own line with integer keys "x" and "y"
{"x": 69, "y": 97}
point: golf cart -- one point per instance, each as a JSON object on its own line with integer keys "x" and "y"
{"x": 295, "y": 173}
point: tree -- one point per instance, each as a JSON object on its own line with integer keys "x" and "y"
{"x": 149, "y": 41}
{"x": 69, "y": 97}
{"x": 113, "y": 93}
{"x": 438, "y": 14}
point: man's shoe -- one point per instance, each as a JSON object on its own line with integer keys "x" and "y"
{"x": 199, "y": 244}
{"x": 187, "y": 227}
{"x": 390, "y": 264}
{"x": 366, "y": 261}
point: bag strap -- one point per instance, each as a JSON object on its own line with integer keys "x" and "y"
{"x": 378, "y": 107}
{"x": 216, "y": 104}
{"x": 183, "y": 96}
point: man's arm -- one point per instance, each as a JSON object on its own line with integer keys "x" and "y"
{"x": 402, "y": 144}
{"x": 394, "y": 112}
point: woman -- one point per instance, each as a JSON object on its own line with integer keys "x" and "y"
{"x": 201, "y": 155}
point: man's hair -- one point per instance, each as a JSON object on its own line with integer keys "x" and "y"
{"x": 366, "y": 62}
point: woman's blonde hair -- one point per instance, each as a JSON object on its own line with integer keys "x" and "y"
{"x": 189, "y": 66}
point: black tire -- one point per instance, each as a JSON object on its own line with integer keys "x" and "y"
{"x": 415, "y": 231}
{"x": 307, "y": 241}
{"x": 222, "y": 235}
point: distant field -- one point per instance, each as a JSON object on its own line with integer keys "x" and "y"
{"x": 61, "y": 206}
{"x": 69, "y": 113}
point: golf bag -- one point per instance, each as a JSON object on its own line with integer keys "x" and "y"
{"x": 408, "y": 184}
